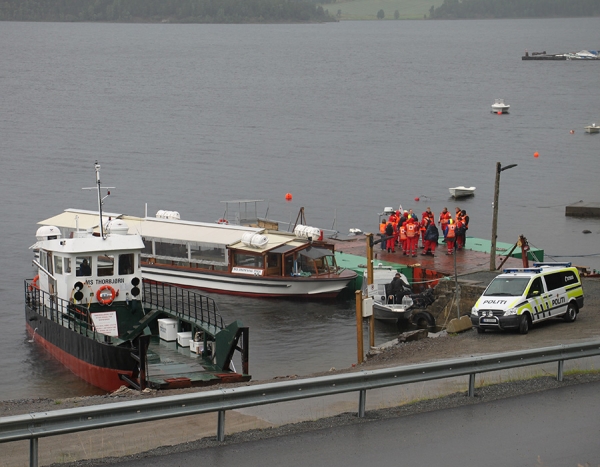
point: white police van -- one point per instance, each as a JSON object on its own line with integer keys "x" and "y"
{"x": 520, "y": 297}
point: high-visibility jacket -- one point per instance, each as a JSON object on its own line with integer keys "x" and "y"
{"x": 451, "y": 231}
{"x": 411, "y": 229}
{"x": 382, "y": 227}
{"x": 403, "y": 232}
{"x": 444, "y": 218}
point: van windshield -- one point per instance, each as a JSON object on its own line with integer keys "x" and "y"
{"x": 507, "y": 286}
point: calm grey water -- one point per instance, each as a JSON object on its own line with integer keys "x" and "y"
{"x": 348, "y": 117}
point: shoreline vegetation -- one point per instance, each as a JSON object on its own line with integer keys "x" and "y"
{"x": 285, "y": 11}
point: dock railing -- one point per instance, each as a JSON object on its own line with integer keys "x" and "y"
{"x": 185, "y": 303}
{"x": 36, "y": 425}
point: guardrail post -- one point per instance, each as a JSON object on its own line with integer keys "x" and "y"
{"x": 221, "y": 426}
{"x": 472, "y": 385}
{"x": 362, "y": 400}
{"x": 561, "y": 367}
{"x": 33, "y": 452}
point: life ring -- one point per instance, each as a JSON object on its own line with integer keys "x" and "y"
{"x": 34, "y": 283}
{"x": 223, "y": 221}
{"x": 103, "y": 297}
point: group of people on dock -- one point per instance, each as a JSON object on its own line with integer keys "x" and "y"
{"x": 403, "y": 229}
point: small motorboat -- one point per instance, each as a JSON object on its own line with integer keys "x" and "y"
{"x": 393, "y": 312}
{"x": 499, "y": 107}
{"x": 462, "y": 191}
{"x": 593, "y": 128}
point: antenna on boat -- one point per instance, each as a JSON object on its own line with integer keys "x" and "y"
{"x": 98, "y": 187}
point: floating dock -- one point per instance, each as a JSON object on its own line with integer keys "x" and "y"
{"x": 581, "y": 209}
{"x": 475, "y": 256}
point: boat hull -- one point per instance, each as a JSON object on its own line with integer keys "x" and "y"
{"x": 502, "y": 109}
{"x": 462, "y": 192}
{"x": 98, "y": 363}
{"x": 391, "y": 313}
{"x": 324, "y": 286}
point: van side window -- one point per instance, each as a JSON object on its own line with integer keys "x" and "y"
{"x": 536, "y": 288}
{"x": 569, "y": 278}
{"x": 554, "y": 281}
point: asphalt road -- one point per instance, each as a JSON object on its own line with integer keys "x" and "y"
{"x": 558, "y": 427}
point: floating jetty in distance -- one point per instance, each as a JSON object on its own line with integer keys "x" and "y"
{"x": 581, "y": 55}
{"x": 581, "y": 209}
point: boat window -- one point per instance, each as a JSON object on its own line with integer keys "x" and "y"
{"x": 125, "y": 264}
{"x": 507, "y": 286}
{"x": 106, "y": 265}
{"x": 147, "y": 247}
{"x": 305, "y": 266}
{"x": 248, "y": 261}
{"x": 58, "y": 265}
{"x": 170, "y": 249}
{"x": 67, "y": 265}
{"x": 207, "y": 253}
{"x": 84, "y": 265}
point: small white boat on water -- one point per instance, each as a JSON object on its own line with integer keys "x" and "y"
{"x": 500, "y": 107}
{"x": 462, "y": 191}
{"x": 593, "y": 128}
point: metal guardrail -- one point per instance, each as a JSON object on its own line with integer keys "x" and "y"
{"x": 37, "y": 425}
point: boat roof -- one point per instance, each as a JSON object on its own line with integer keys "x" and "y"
{"x": 178, "y": 230}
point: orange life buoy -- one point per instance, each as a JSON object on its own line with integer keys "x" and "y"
{"x": 222, "y": 221}
{"x": 105, "y": 295}
{"x": 34, "y": 283}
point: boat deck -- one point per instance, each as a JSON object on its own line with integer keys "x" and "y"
{"x": 474, "y": 257}
{"x": 171, "y": 365}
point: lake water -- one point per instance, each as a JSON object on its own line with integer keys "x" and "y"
{"x": 348, "y": 117}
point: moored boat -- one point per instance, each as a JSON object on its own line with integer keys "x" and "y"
{"x": 227, "y": 258}
{"x": 90, "y": 307}
{"x": 593, "y": 128}
{"x": 385, "y": 309}
{"x": 462, "y": 191}
{"x": 500, "y": 107}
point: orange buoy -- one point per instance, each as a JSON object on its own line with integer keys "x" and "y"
{"x": 288, "y": 196}
{"x": 536, "y": 155}
{"x": 417, "y": 199}
{"x": 572, "y": 132}
{"x": 499, "y": 112}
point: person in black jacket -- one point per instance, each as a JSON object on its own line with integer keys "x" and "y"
{"x": 432, "y": 236}
{"x": 397, "y": 289}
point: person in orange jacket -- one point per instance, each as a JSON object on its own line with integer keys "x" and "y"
{"x": 412, "y": 232}
{"x": 389, "y": 233}
{"x": 403, "y": 237}
{"x": 382, "y": 227}
{"x": 451, "y": 236}
{"x": 443, "y": 221}
{"x": 426, "y": 217}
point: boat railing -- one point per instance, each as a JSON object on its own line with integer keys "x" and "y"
{"x": 184, "y": 303}
{"x": 64, "y": 312}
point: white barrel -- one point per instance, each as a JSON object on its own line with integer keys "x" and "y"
{"x": 254, "y": 240}
{"x": 304, "y": 231}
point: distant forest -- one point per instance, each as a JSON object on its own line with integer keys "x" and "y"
{"x": 455, "y": 9}
{"x": 176, "y": 11}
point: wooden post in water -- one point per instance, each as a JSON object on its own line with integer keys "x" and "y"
{"x": 359, "y": 328}
{"x": 370, "y": 282}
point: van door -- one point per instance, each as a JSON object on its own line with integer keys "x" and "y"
{"x": 557, "y": 294}
{"x": 536, "y": 298}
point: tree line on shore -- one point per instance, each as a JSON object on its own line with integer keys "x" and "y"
{"x": 469, "y": 9}
{"x": 178, "y": 11}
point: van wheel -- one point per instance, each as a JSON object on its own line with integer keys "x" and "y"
{"x": 524, "y": 324}
{"x": 571, "y": 314}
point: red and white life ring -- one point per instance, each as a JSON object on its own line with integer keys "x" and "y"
{"x": 106, "y": 294}
{"x": 34, "y": 283}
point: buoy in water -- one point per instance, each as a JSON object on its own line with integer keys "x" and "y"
{"x": 572, "y": 132}
{"x": 536, "y": 155}
{"x": 417, "y": 199}
{"x": 288, "y": 196}
{"x": 499, "y": 112}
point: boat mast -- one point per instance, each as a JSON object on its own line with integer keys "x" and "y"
{"x": 98, "y": 188}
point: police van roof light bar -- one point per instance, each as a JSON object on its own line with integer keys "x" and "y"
{"x": 535, "y": 270}
{"x": 556, "y": 264}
